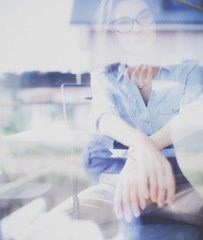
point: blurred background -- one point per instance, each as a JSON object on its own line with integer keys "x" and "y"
{"x": 47, "y": 50}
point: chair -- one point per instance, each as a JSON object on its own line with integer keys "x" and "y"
{"x": 71, "y": 101}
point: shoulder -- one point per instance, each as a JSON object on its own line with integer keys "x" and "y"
{"x": 181, "y": 71}
{"x": 108, "y": 70}
{"x": 185, "y": 67}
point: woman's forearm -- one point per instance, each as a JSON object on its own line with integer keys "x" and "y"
{"x": 162, "y": 138}
{"x": 188, "y": 121}
{"x": 116, "y": 128}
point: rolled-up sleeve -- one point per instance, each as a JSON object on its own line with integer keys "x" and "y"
{"x": 103, "y": 100}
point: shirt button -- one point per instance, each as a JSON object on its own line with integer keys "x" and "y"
{"x": 148, "y": 121}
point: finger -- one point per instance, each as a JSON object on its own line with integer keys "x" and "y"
{"x": 153, "y": 186}
{"x": 150, "y": 74}
{"x": 141, "y": 199}
{"x": 126, "y": 204}
{"x": 144, "y": 186}
{"x": 118, "y": 207}
{"x": 170, "y": 183}
{"x": 143, "y": 75}
{"x": 155, "y": 72}
{"x": 161, "y": 184}
{"x": 136, "y": 75}
{"x": 161, "y": 190}
{"x": 118, "y": 201}
{"x": 130, "y": 71}
{"x": 127, "y": 212}
{"x": 143, "y": 193}
{"x": 135, "y": 202}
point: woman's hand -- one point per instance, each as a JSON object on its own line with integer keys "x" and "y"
{"x": 147, "y": 174}
{"x": 142, "y": 76}
{"x": 126, "y": 195}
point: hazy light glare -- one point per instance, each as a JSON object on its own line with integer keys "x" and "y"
{"x": 36, "y": 35}
{"x": 189, "y": 121}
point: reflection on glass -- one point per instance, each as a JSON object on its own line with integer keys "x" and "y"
{"x": 140, "y": 175}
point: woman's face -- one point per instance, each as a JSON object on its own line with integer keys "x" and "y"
{"x": 137, "y": 35}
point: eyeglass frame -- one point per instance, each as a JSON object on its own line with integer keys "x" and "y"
{"x": 132, "y": 21}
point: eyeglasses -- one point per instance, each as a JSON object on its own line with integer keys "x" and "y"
{"x": 125, "y": 24}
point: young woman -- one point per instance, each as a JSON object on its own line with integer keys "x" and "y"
{"x": 133, "y": 104}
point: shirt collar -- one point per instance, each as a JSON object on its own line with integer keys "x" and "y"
{"x": 167, "y": 68}
{"x": 122, "y": 70}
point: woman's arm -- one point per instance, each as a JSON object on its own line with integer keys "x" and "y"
{"x": 146, "y": 174}
{"x": 190, "y": 118}
{"x": 116, "y": 128}
{"x": 162, "y": 138}
{"x": 189, "y": 121}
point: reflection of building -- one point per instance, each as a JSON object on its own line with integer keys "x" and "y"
{"x": 43, "y": 79}
{"x": 179, "y": 27}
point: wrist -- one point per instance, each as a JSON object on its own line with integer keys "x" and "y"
{"x": 138, "y": 148}
{"x": 155, "y": 139}
{"x": 160, "y": 139}
{"x": 138, "y": 139}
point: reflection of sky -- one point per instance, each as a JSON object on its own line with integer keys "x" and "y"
{"x": 35, "y": 35}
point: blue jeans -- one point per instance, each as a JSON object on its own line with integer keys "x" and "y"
{"x": 97, "y": 159}
{"x": 167, "y": 230}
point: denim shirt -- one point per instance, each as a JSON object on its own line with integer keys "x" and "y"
{"x": 113, "y": 92}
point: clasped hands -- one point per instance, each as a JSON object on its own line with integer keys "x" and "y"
{"x": 146, "y": 176}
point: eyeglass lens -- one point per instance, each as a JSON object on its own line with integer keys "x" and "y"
{"x": 124, "y": 24}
